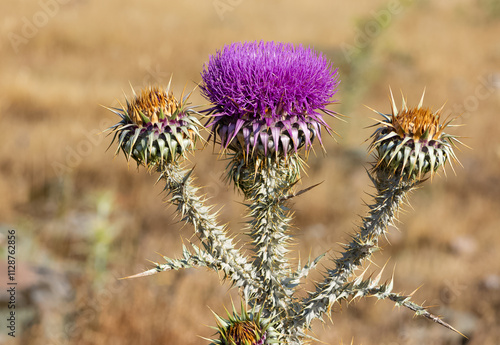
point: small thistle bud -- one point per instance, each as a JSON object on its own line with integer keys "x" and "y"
{"x": 249, "y": 328}
{"x": 411, "y": 142}
{"x": 268, "y": 98}
{"x": 156, "y": 128}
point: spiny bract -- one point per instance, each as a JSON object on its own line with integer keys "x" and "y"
{"x": 411, "y": 142}
{"x": 156, "y": 127}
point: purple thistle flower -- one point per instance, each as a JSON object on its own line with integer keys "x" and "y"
{"x": 268, "y": 96}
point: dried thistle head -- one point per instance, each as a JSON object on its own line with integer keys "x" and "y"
{"x": 151, "y": 105}
{"x": 411, "y": 142}
{"x": 249, "y": 328}
{"x": 156, "y": 128}
{"x": 268, "y": 98}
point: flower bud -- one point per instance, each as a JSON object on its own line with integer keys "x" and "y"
{"x": 411, "y": 142}
{"x": 156, "y": 128}
{"x": 249, "y": 328}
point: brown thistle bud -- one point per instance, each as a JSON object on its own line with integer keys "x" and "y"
{"x": 156, "y": 127}
{"x": 411, "y": 142}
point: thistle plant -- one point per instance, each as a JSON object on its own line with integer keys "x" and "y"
{"x": 268, "y": 103}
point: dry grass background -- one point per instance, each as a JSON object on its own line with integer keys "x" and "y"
{"x": 84, "y": 219}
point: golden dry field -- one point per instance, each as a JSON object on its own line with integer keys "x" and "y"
{"x": 83, "y": 218}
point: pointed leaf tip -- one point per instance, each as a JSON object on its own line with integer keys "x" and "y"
{"x": 150, "y": 272}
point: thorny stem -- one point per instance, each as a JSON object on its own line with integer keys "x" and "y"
{"x": 361, "y": 288}
{"x": 419, "y": 310}
{"x": 391, "y": 193}
{"x": 178, "y": 184}
{"x": 265, "y": 187}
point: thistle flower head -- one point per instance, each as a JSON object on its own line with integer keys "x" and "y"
{"x": 155, "y": 127}
{"x": 411, "y": 142}
{"x": 152, "y": 104}
{"x": 268, "y": 96}
{"x": 249, "y": 328}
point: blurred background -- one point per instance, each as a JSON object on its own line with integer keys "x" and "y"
{"x": 83, "y": 218}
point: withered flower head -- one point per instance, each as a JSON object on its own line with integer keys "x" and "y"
{"x": 152, "y": 104}
{"x": 411, "y": 142}
{"x": 156, "y": 128}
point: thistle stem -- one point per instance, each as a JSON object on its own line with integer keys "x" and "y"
{"x": 370, "y": 288}
{"x": 265, "y": 186}
{"x": 217, "y": 245}
{"x": 391, "y": 193}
